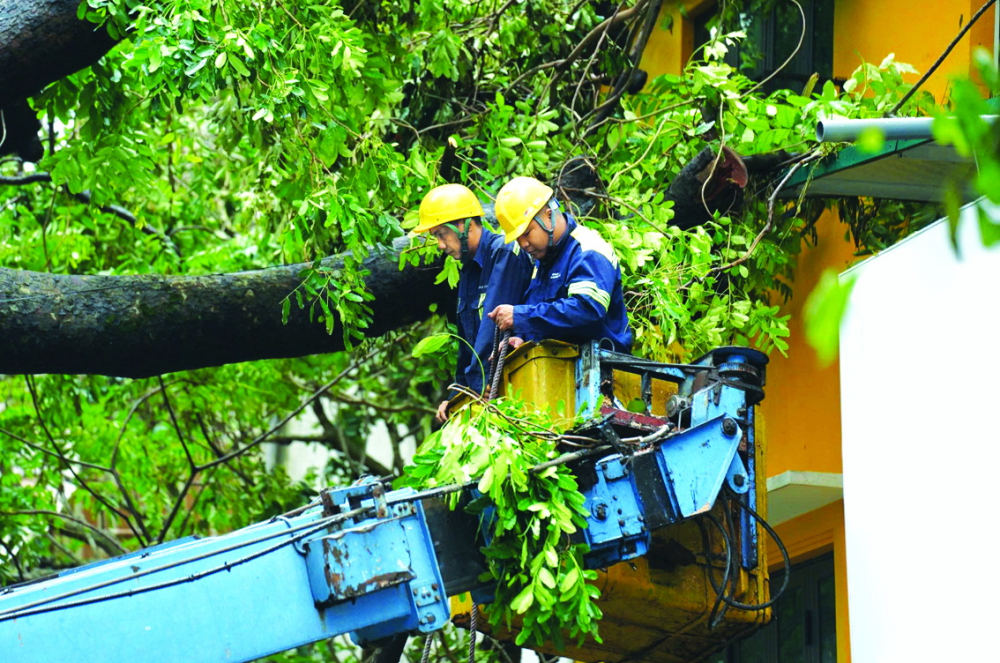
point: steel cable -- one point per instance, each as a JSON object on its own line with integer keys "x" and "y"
{"x": 500, "y": 344}
{"x": 473, "y": 625}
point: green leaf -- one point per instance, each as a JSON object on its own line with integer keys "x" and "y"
{"x": 871, "y": 140}
{"x": 487, "y": 481}
{"x": 196, "y": 67}
{"x": 546, "y": 578}
{"x": 953, "y": 205}
{"x": 430, "y": 345}
{"x": 824, "y": 309}
{"x": 238, "y": 65}
{"x": 989, "y": 229}
{"x": 523, "y": 601}
{"x": 444, "y": 50}
{"x": 569, "y": 581}
{"x": 636, "y": 405}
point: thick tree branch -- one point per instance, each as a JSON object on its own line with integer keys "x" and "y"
{"x": 43, "y": 42}
{"x": 140, "y": 326}
{"x": 602, "y": 112}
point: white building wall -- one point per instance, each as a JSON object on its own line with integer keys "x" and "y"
{"x": 920, "y": 383}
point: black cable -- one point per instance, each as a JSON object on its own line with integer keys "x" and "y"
{"x": 720, "y": 590}
{"x": 427, "y": 649}
{"x": 785, "y": 558}
{"x": 784, "y": 555}
{"x": 954, "y": 42}
{"x": 39, "y": 607}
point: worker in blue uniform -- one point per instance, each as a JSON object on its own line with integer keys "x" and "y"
{"x": 493, "y": 273}
{"x": 575, "y": 294}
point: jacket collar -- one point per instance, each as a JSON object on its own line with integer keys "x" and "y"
{"x": 553, "y": 254}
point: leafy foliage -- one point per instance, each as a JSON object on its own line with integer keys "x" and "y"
{"x": 972, "y": 136}
{"x": 528, "y": 514}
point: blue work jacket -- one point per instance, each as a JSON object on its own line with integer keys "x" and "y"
{"x": 575, "y": 294}
{"x": 497, "y": 274}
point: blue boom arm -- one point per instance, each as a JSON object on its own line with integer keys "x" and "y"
{"x": 371, "y": 563}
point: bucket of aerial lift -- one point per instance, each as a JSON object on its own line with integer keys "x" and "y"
{"x": 661, "y": 607}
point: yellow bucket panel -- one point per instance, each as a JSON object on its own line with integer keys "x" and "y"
{"x": 544, "y": 374}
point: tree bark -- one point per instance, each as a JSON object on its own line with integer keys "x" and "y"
{"x": 138, "y": 326}
{"x": 41, "y": 41}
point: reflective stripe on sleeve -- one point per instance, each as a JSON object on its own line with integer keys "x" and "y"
{"x": 590, "y": 289}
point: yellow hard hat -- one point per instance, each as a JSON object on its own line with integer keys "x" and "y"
{"x": 517, "y": 204}
{"x": 446, "y": 203}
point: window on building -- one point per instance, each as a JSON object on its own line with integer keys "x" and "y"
{"x": 772, "y": 38}
{"x": 804, "y": 628}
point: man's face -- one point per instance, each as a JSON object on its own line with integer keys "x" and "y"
{"x": 447, "y": 240}
{"x": 535, "y": 241}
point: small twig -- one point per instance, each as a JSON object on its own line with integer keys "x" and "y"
{"x": 664, "y": 109}
{"x": 31, "y": 178}
{"x": 715, "y": 161}
{"x": 124, "y": 425}
{"x": 590, "y": 61}
{"x": 798, "y": 47}
{"x": 649, "y": 146}
{"x": 84, "y": 197}
{"x": 173, "y": 420}
{"x": 652, "y": 9}
{"x": 628, "y": 206}
{"x": 520, "y": 424}
{"x": 596, "y": 32}
{"x": 264, "y": 436}
{"x": 10, "y": 553}
{"x": 47, "y": 452}
{"x": 141, "y": 535}
{"x": 197, "y": 496}
{"x": 74, "y": 561}
{"x": 176, "y": 508}
{"x": 65, "y": 516}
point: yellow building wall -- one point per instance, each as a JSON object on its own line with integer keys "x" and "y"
{"x": 917, "y": 31}
{"x": 864, "y": 31}
{"x": 801, "y": 409}
{"x": 669, "y": 48}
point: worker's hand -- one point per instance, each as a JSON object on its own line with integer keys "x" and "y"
{"x": 503, "y": 316}
{"x": 442, "y": 413}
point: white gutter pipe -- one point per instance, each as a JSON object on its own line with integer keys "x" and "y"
{"x": 895, "y": 128}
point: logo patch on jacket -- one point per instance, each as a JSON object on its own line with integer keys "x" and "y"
{"x": 555, "y": 275}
